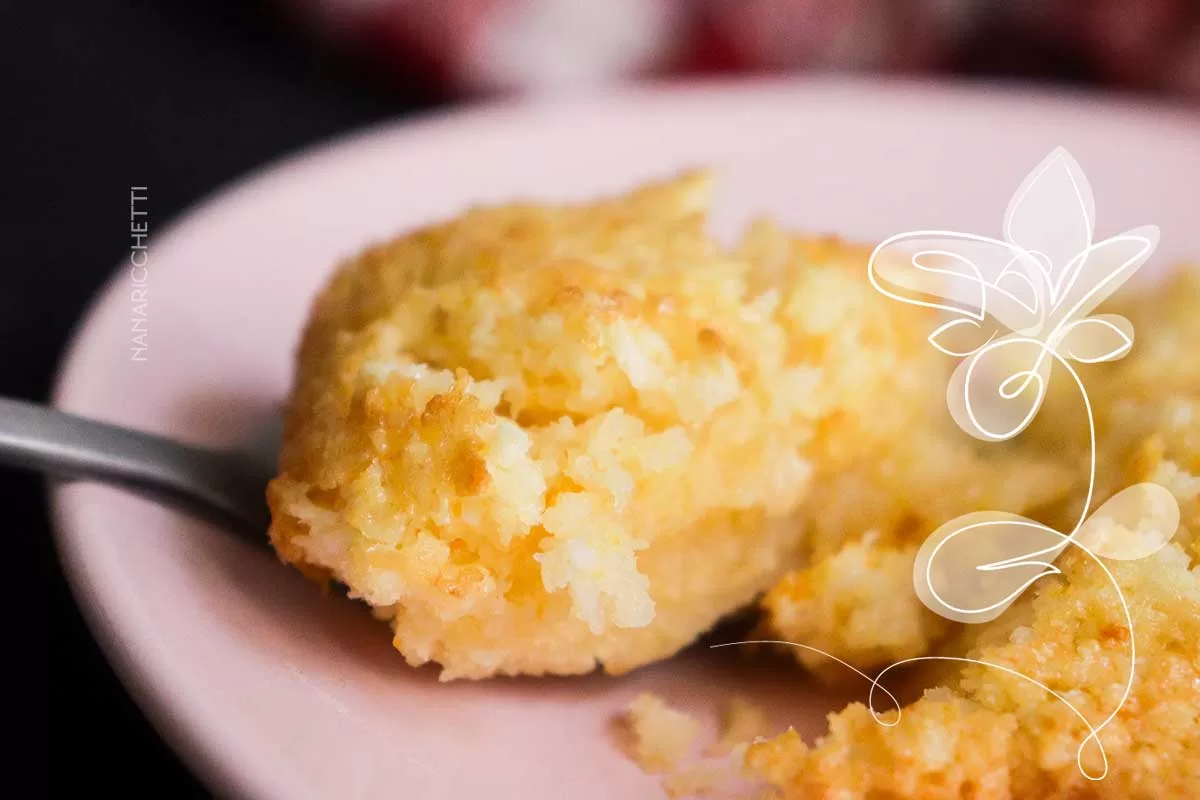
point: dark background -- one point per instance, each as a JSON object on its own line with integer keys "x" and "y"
{"x": 181, "y": 97}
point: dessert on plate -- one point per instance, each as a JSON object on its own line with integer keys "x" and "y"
{"x": 545, "y": 438}
{"x": 540, "y": 438}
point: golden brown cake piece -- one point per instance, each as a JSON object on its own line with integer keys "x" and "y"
{"x": 890, "y": 466}
{"x": 857, "y": 606}
{"x": 537, "y": 438}
{"x": 984, "y": 733}
{"x": 990, "y": 734}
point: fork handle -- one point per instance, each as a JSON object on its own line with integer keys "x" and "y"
{"x": 226, "y": 486}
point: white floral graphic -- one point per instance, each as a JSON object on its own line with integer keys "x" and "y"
{"x": 1017, "y": 306}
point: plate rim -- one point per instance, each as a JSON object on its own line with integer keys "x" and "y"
{"x": 170, "y": 717}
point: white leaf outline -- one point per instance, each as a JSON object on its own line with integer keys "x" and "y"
{"x": 1163, "y": 511}
{"x": 884, "y": 275}
{"x": 1035, "y": 305}
{"x": 934, "y": 337}
{"x": 937, "y": 541}
{"x": 1074, "y": 200}
{"x": 1122, "y": 327}
{"x": 1145, "y": 237}
{"x": 963, "y": 409}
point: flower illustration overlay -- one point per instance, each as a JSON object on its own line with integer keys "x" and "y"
{"x": 1016, "y": 307}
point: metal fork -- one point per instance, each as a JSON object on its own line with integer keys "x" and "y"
{"x": 224, "y": 486}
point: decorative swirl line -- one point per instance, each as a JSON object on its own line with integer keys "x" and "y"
{"x": 1023, "y": 559}
{"x": 1025, "y": 259}
{"x": 877, "y": 686}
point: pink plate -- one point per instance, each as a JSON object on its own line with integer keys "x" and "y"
{"x": 269, "y": 689}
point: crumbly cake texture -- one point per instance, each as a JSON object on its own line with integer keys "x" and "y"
{"x": 741, "y": 723}
{"x": 660, "y": 739}
{"x": 982, "y": 733}
{"x": 655, "y": 735}
{"x": 890, "y": 465}
{"x": 541, "y": 437}
{"x": 988, "y": 734}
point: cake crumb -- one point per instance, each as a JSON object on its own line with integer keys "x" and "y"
{"x": 656, "y": 736}
{"x": 741, "y": 723}
{"x": 720, "y": 779}
{"x": 698, "y": 781}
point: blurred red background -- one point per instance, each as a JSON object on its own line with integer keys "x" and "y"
{"x": 486, "y": 46}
